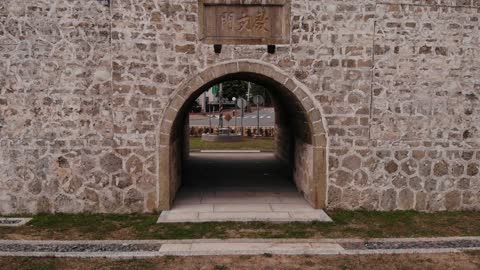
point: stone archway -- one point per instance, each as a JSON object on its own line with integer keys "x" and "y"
{"x": 312, "y": 180}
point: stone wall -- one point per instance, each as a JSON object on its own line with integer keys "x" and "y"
{"x": 424, "y": 119}
{"x": 84, "y": 85}
{"x": 303, "y": 169}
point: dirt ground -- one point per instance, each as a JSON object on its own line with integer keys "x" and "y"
{"x": 464, "y": 261}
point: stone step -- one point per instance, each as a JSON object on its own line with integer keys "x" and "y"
{"x": 238, "y": 213}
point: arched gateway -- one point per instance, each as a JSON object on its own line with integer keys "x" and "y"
{"x": 300, "y": 140}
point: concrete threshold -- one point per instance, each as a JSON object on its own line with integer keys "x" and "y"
{"x": 216, "y": 247}
{"x": 243, "y": 216}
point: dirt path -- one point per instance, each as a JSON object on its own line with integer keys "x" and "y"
{"x": 464, "y": 261}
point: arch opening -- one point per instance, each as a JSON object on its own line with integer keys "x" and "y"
{"x": 299, "y": 137}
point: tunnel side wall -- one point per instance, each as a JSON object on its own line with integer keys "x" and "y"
{"x": 283, "y": 143}
{"x": 303, "y": 170}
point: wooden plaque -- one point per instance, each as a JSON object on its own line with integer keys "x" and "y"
{"x": 245, "y": 21}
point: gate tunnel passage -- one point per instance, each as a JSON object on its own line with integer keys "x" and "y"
{"x": 246, "y": 171}
{"x": 299, "y": 140}
{"x": 239, "y": 187}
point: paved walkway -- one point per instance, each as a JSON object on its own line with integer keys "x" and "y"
{"x": 202, "y": 247}
{"x": 239, "y": 187}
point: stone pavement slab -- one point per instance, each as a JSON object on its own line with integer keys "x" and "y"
{"x": 230, "y": 151}
{"x": 282, "y": 207}
{"x": 13, "y": 222}
{"x": 262, "y": 248}
{"x": 243, "y": 216}
{"x": 310, "y": 216}
{"x": 193, "y": 208}
{"x": 234, "y": 200}
{"x": 241, "y": 205}
{"x": 169, "y": 216}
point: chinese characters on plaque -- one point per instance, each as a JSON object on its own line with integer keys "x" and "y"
{"x": 244, "y": 22}
{"x": 225, "y": 23}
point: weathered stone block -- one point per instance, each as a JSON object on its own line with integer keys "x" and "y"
{"x": 391, "y": 167}
{"x": 352, "y": 162}
{"x": 111, "y": 163}
{"x": 452, "y": 200}
{"x": 388, "y": 201}
{"x": 472, "y": 169}
{"x": 440, "y": 168}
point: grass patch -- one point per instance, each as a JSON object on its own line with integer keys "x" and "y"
{"x": 362, "y": 224}
{"x": 31, "y": 263}
{"x": 263, "y": 144}
{"x": 93, "y": 226}
{"x": 475, "y": 253}
{"x": 50, "y": 263}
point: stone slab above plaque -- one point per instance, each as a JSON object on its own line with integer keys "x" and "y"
{"x": 248, "y": 22}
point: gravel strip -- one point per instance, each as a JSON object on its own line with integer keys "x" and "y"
{"x": 350, "y": 245}
{"x": 422, "y": 244}
{"x": 79, "y": 247}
